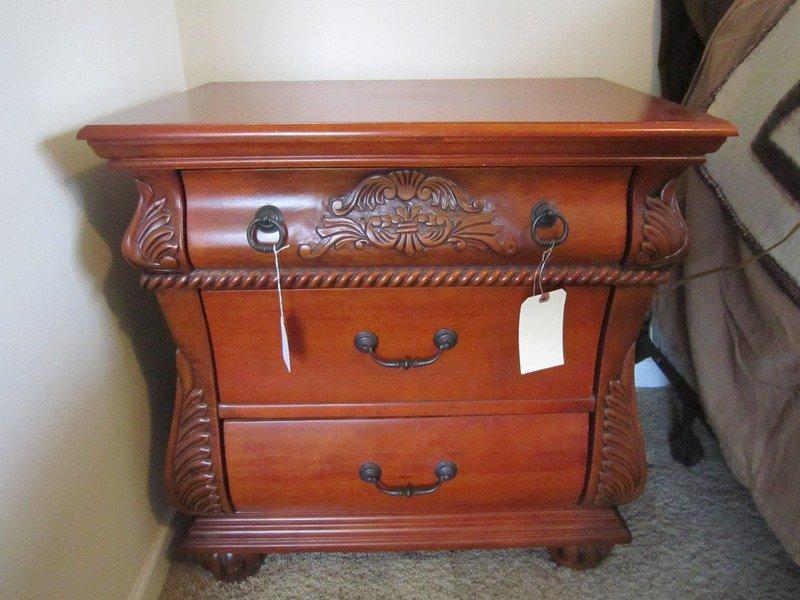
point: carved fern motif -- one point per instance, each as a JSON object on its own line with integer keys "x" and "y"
{"x": 665, "y": 237}
{"x": 425, "y": 212}
{"x": 623, "y": 469}
{"x": 151, "y": 242}
{"x": 195, "y": 484}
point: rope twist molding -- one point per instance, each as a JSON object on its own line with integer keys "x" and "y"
{"x": 256, "y": 279}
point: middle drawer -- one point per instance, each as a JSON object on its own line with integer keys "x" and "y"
{"x": 327, "y": 368}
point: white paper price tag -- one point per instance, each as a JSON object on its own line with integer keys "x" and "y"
{"x": 285, "y": 346}
{"x": 541, "y": 332}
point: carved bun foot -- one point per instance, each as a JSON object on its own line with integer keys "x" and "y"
{"x": 227, "y": 566}
{"x": 580, "y": 557}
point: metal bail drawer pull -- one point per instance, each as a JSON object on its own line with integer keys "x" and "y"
{"x": 268, "y": 219}
{"x": 367, "y": 342}
{"x": 544, "y": 216}
{"x": 445, "y": 470}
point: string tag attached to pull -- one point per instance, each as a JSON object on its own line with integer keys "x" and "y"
{"x": 541, "y": 325}
{"x": 287, "y": 360}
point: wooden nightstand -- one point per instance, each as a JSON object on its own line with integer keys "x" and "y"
{"x": 409, "y": 211}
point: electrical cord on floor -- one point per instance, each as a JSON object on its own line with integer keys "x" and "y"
{"x": 684, "y": 280}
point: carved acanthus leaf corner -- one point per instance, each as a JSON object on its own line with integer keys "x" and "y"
{"x": 623, "y": 469}
{"x": 195, "y": 485}
{"x": 665, "y": 236}
{"x": 152, "y": 241}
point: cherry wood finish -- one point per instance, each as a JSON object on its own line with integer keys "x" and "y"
{"x": 512, "y": 122}
{"x": 526, "y": 104}
{"x": 253, "y": 534}
{"x": 311, "y": 467}
{"x": 194, "y": 471}
{"x": 657, "y": 233}
{"x": 327, "y": 368}
{"x": 259, "y": 279}
{"x": 489, "y": 211}
{"x": 154, "y": 241}
{"x": 410, "y": 408}
{"x": 617, "y": 471}
{"x": 408, "y": 209}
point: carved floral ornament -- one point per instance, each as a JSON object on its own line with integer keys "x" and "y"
{"x": 421, "y": 212}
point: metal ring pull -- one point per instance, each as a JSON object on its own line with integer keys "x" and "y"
{"x": 445, "y": 470}
{"x": 268, "y": 219}
{"x": 367, "y": 342}
{"x": 544, "y": 216}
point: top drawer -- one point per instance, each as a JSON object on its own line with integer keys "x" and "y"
{"x": 406, "y": 217}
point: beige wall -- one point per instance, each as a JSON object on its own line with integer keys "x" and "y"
{"x": 390, "y": 39}
{"x": 81, "y": 499}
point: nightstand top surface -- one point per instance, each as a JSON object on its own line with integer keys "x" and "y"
{"x": 491, "y": 121}
{"x": 465, "y": 101}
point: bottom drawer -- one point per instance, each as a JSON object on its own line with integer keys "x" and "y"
{"x": 507, "y": 461}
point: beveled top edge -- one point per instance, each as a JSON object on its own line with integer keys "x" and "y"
{"x": 461, "y": 108}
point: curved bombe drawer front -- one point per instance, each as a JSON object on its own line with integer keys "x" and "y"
{"x": 328, "y": 368}
{"x": 496, "y": 462}
{"x": 347, "y": 217}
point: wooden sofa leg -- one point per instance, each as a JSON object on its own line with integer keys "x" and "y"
{"x": 684, "y": 445}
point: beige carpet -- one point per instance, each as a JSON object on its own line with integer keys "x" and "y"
{"x": 696, "y": 535}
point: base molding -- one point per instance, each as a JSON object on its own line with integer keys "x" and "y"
{"x": 247, "y": 533}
